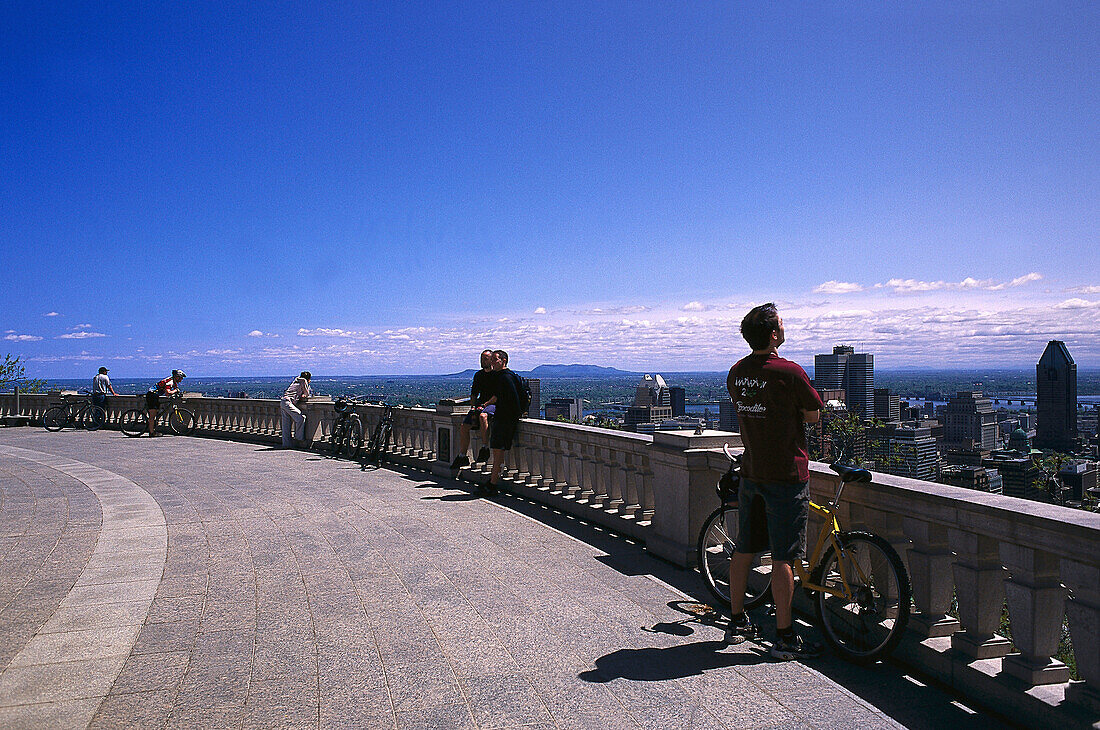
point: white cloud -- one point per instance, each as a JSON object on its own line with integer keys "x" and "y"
{"x": 51, "y": 314}
{"x": 540, "y": 310}
{"x": 837, "y": 287}
{"x": 694, "y": 307}
{"x": 328, "y": 332}
{"x": 1076, "y": 303}
{"x": 911, "y": 286}
{"x": 82, "y": 327}
{"x": 847, "y": 314}
{"x": 1084, "y": 290}
{"x": 22, "y": 338}
{"x": 258, "y": 333}
{"x": 81, "y": 335}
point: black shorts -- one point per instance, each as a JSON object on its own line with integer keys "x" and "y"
{"x": 473, "y": 420}
{"x": 773, "y": 516}
{"x": 503, "y": 433}
{"x": 152, "y": 400}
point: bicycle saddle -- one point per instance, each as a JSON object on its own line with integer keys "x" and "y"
{"x": 851, "y": 473}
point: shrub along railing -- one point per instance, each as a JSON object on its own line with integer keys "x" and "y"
{"x": 966, "y": 548}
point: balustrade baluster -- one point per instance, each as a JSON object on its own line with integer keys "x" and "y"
{"x": 930, "y": 561}
{"x": 1083, "y": 612}
{"x": 1036, "y": 607}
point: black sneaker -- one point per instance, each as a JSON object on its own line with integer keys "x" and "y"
{"x": 460, "y": 461}
{"x": 491, "y": 489}
{"x": 793, "y": 646}
{"x": 739, "y": 631}
{"x": 483, "y": 454}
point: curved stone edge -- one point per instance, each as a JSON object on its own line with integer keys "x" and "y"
{"x": 68, "y": 667}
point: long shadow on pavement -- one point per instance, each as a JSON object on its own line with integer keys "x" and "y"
{"x": 914, "y": 701}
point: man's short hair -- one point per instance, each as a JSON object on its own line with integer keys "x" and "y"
{"x": 503, "y": 355}
{"x": 758, "y": 325}
{"x": 306, "y": 374}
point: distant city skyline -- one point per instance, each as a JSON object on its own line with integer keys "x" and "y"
{"x": 387, "y": 189}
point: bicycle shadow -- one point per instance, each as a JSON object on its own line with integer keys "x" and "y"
{"x": 658, "y": 664}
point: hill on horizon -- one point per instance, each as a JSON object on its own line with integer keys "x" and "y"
{"x": 561, "y": 371}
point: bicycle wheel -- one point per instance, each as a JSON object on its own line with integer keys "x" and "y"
{"x": 870, "y": 624}
{"x": 353, "y": 441}
{"x": 716, "y": 546}
{"x": 181, "y": 421}
{"x": 339, "y": 437}
{"x": 93, "y": 417}
{"x": 55, "y": 418}
{"x": 378, "y": 443}
{"x": 134, "y": 422}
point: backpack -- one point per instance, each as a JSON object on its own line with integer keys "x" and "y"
{"x": 523, "y": 388}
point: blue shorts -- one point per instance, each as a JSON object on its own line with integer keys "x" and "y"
{"x": 472, "y": 419}
{"x": 773, "y": 516}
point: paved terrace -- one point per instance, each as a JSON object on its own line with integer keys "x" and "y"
{"x": 188, "y": 582}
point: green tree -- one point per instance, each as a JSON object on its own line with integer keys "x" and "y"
{"x": 13, "y": 373}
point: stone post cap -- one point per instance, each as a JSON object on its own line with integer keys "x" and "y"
{"x": 684, "y": 440}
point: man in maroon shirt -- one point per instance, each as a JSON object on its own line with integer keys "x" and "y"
{"x": 773, "y": 398}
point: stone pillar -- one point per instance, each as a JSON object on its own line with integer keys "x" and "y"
{"x": 1036, "y": 606}
{"x": 930, "y": 562}
{"x": 683, "y": 491}
{"x": 979, "y": 587}
{"x": 1083, "y": 612}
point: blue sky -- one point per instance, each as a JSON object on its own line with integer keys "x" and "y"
{"x": 359, "y": 188}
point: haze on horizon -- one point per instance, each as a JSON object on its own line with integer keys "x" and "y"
{"x": 384, "y": 189}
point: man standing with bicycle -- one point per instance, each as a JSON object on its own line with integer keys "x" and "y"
{"x": 168, "y": 386}
{"x": 773, "y": 398}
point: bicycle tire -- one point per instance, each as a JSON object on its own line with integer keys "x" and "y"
{"x": 93, "y": 418}
{"x": 353, "y": 441}
{"x": 869, "y": 627}
{"x": 181, "y": 421}
{"x": 378, "y": 443}
{"x": 55, "y": 418}
{"x": 134, "y": 422}
{"x": 338, "y": 437}
{"x": 715, "y": 548}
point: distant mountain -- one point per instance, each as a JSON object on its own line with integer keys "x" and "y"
{"x": 578, "y": 371}
{"x": 558, "y": 371}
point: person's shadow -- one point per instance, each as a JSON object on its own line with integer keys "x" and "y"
{"x": 675, "y": 662}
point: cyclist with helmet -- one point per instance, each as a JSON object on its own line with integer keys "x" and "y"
{"x": 168, "y": 386}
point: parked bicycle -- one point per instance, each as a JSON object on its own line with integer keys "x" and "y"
{"x": 859, "y": 587}
{"x": 180, "y": 420}
{"x": 347, "y": 431}
{"x": 74, "y": 410}
{"x": 383, "y": 432}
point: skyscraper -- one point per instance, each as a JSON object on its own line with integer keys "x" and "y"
{"x": 678, "y": 400}
{"x": 852, "y": 371}
{"x": 887, "y": 406}
{"x": 535, "y": 410}
{"x": 1056, "y": 399}
{"x": 970, "y": 422}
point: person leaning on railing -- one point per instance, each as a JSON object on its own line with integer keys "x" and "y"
{"x": 290, "y": 413}
{"x": 101, "y": 386}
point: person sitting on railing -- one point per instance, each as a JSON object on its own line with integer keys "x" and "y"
{"x": 477, "y": 417}
{"x": 101, "y": 386}
{"x": 290, "y": 411}
{"x": 168, "y": 386}
{"x": 505, "y": 387}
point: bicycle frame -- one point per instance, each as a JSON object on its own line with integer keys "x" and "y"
{"x": 828, "y": 536}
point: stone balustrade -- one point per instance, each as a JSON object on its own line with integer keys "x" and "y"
{"x": 969, "y": 554}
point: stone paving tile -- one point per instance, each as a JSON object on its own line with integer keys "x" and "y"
{"x": 58, "y": 682}
{"x": 145, "y": 672}
{"x": 72, "y": 713}
{"x": 50, "y": 648}
{"x": 422, "y": 684}
{"x": 504, "y": 701}
{"x": 433, "y": 717}
{"x": 175, "y": 608}
{"x": 206, "y": 718}
{"x": 165, "y": 637}
{"x": 136, "y": 710}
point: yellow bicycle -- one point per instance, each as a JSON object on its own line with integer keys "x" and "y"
{"x": 859, "y": 586}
